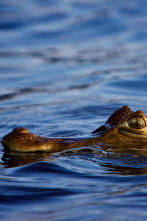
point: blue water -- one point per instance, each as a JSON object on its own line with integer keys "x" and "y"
{"x": 65, "y": 66}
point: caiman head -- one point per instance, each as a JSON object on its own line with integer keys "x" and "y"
{"x": 125, "y": 127}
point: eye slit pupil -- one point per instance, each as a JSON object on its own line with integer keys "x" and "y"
{"x": 136, "y": 122}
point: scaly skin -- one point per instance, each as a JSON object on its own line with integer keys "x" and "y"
{"x": 123, "y": 128}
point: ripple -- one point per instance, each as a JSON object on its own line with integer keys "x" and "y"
{"x": 65, "y": 67}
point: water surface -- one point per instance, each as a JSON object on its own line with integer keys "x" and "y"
{"x": 65, "y": 66}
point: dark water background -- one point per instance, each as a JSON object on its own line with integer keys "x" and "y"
{"x": 65, "y": 66}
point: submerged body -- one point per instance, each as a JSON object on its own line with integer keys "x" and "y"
{"x": 124, "y": 128}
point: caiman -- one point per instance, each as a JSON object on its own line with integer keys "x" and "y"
{"x": 123, "y": 128}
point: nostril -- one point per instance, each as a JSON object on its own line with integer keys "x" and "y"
{"x": 20, "y": 130}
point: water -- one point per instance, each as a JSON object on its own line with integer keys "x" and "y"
{"x": 65, "y": 66}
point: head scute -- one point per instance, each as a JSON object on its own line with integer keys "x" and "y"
{"x": 114, "y": 119}
{"x": 118, "y": 115}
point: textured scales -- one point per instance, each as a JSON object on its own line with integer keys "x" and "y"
{"x": 114, "y": 119}
{"x": 118, "y": 115}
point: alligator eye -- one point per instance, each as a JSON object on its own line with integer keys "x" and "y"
{"x": 136, "y": 122}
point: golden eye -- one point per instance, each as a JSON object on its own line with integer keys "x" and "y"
{"x": 136, "y": 122}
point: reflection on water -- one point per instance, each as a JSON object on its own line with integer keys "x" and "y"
{"x": 116, "y": 163}
{"x": 65, "y": 66}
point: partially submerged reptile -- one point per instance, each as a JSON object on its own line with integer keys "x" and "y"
{"x": 123, "y": 128}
